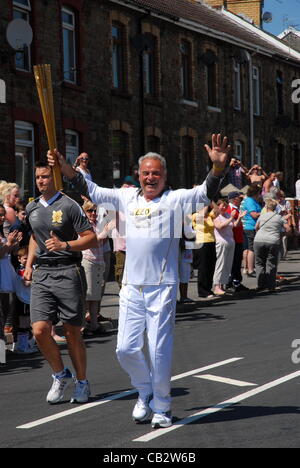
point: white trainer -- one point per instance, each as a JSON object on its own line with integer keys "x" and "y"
{"x": 81, "y": 392}
{"x": 142, "y": 411}
{"x": 161, "y": 420}
{"x": 56, "y": 392}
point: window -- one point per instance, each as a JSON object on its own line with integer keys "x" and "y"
{"x": 120, "y": 156}
{"x": 21, "y": 10}
{"x": 296, "y": 106}
{"x": 279, "y": 92}
{"x": 212, "y": 84}
{"x": 237, "y": 85}
{"x": 188, "y": 161}
{"x": 72, "y": 146}
{"x": 2, "y": 92}
{"x": 24, "y": 154}
{"x": 69, "y": 45}
{"x": 256, "y": 90}
{"x": 185, "y": 70}
{"x": 118, "y": 56}
{"x": 258, "y": 155}
{"x": 280, "y": 157}
{"x": 153, "y": 144}
{"x": 239, "y": 149}
{"x": 296, "y": 112}
{"x": 149, "y": 66}
{"x": 296, "y": 157}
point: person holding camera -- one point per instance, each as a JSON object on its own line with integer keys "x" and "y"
{"x": 236, "y": 172}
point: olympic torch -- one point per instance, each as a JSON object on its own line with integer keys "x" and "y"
{"x": 42, "y": 74}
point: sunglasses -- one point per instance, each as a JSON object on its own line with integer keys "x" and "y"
{"x": 84, "y": 159}
{"x": 91, "y": 211}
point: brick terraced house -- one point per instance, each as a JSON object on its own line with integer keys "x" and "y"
{"x": 130, "y": 76}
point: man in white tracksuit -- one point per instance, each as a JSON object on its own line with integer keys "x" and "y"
{"x": 154, "y": 216}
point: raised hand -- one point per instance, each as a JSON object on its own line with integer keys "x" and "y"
{"x": 66, "y": 168}
{"x": 14, "y": 238}
{"x": 242, "y": 214}
{"x": 218, "y": 153}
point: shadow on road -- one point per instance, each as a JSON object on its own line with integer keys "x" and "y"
{"x": 238, "y": 412}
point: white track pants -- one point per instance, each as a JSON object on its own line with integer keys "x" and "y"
{"x": 150, "y": 308}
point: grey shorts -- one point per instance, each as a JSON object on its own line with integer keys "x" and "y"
{"x": 58, "y": 294}
{"x": 250, "y": 236}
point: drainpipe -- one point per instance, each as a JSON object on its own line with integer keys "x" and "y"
{"x": 142, "y": 94}
{"x": 251, "y": 107}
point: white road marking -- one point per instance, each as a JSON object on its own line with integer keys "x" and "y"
{"x": 217, "y": 378}
{"x": 214, "y": 409}
{"x": 83, "y": 407}
{"x": 87, "y": 406}
{"x": 202, "y": 369}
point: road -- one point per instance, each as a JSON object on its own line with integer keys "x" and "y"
{"x": 234, "y": 384}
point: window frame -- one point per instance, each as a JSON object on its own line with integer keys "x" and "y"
{"x": 279, "y": 93}
{"x": 281, "y": 152}
{"x": 156, "y": 146}
{"x": 69, "y": 148}
{"x": 186, "y": 70}
{"x": 237, "y": 86}
{"x": 123, "y": 158}
{"x": 239, "y": 145}
{"x": 26, "y": 53}
{"x": 212, "y": 85}
{"x": 21, "y": 5}
{"x": 73, "y": 28}
{"x": 118, "y": 52}
{"x": 150, "y": 67}
{"x": 23, "y": 125}
{"x": 258, "y": 155}
{"x": 256, "y": 86}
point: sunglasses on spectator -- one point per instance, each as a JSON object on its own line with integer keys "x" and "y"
{"x": 84, "y": 159}
{"x": 91, "y": 211}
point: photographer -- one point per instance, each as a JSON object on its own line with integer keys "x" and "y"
{"x": 236, "y": 172}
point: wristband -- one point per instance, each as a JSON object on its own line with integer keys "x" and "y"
{"x": 217, "y": 169}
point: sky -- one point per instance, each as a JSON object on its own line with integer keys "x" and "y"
{"x": 285, "y": 13}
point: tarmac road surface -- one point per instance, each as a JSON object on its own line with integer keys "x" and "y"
{"x": 236, "y": 382}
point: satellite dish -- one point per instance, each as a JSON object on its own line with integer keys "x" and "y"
{"x": 19, "y": 34}
{"x": 267, "y": 17}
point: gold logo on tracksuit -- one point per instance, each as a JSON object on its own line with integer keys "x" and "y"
{"x": 57, "y": 217}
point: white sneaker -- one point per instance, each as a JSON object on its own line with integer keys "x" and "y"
{"x": 161, "y": 420}
{"x": 56, "y": 392}
{"x": 81, "y": 392}
{"x": 142, "y": 411}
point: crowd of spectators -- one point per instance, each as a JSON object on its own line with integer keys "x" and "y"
{"x": 242, "y": 233}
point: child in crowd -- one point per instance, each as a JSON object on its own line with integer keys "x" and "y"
{"x": 24, "y": 342}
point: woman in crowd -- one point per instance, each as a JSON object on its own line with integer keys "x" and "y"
{"x": 81, "y": 165}
{"x": 225, "y": 245}
{"x": 205, "y": 251}
{"x": 257, "y": 175}
{"x": 93, "y": 264}
{"x": 267, "y": 245}
{"x": 253, "y": 208}
{"x": 7, "y": 273}
{"x": 10, "y": 195}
